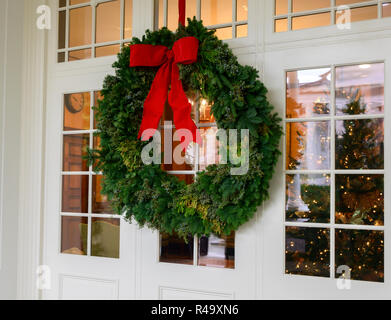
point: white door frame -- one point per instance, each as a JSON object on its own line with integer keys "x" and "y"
{"x": 304, "y": 50}
{"x": 32, "y": 150}
{"x": 11, "y": 39}
{"x": 262, "y": 52}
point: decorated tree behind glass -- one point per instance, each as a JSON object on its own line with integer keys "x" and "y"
{"x": 359, "y": 197}
{"x": 359, "y": 145}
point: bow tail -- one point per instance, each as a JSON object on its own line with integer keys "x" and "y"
{"x": 182, "y": 109}
{"x": 155, "y": 102}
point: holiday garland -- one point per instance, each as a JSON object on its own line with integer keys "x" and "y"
{"x": 217, "y": 202}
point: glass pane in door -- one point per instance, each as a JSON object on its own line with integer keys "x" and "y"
{"x": 174, "y": 249}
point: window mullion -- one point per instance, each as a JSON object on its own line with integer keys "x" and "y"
{"x": 122, "y": 21}
{"x": 165, "y": 13}
{"x": 195, "y": 251}
{"x": 332, "y": 12}
{"x": 234, "y": 18}
{"x": 93, "y": 34}
{"x": 67, "y": 31}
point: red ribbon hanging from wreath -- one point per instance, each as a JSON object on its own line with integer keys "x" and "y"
{"x": 182, "y": 11}
{"x": 184, "y": 51}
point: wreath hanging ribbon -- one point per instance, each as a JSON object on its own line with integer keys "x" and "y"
{"x": 184, "y": 51}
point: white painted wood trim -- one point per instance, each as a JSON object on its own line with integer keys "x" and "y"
{"x": 141, "y": 20}
{"x": 3, "y": 72}
{"x": 32, "y": 150}
{"x": 11, "y": 33}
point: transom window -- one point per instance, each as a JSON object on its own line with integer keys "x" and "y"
{"x": 303, "y": 14}
{"x": 88, "y": 225}
{"x": 334, "y": 171}
{"x": 89, "y": 29}
{"x": 227, "y": 17}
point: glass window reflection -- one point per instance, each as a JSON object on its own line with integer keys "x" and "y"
{"x": 359, "y": 144}
{"x": 308, "y": 145}
{"x": 209, "y": 151}
{"x": 105, "y": 235}
{"x": 359, "y": 199}
{"x": 308, "y": 93}
{"x": 362, "y": 251}
{"x": 308, "y": 198}
{"x": 77, "y": 111}
{"x": 74, "y": 235}
{"x": 307, "y": 251}
{"x": 174, "y": 249}
{"x": 216, "y": 251}
{"x": 360, "y": 89}
{"x": 74, "y": 152}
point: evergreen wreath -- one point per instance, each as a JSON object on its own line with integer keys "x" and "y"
{"x": 217, "y": 202}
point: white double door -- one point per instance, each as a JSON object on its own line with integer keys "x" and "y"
{"x": 260, "y": 245}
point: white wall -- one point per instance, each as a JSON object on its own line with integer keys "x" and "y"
{"x": 11, "y": 36}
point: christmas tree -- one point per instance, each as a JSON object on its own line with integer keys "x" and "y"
{"x": 359, "y": 197}
{"x": 359, "y": 145}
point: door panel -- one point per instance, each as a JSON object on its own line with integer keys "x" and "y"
{"x": 339, "y": 237}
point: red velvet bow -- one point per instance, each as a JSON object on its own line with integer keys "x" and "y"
{"x": 184, "y": 51}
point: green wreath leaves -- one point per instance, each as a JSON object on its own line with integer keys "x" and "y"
{"x": 217, "y": 202}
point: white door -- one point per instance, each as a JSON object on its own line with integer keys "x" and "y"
{"x": 88, "y": 251}
{"x": 330, "y": 205}
{"x": 11, "y": 35}
{"x": 309, "y": 226}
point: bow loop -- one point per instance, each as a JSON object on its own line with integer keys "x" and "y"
{"x": 147, "y": 55}
{"x": 184, "y": 51}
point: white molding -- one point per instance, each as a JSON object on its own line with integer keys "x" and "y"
{"x": 207, "y": 294}
{"x": 3, "y": 71}
{"x": 142, "y": 21}
{"x": 63, "y": 276}
{"x": 10, "y": 97}
{"x": 321, "y": 36}
{"x": 32, "y": 150}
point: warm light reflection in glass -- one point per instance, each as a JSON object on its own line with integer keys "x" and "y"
{"x": 174, "y": 249}
{"x": 80, "y": 31}
{"x": 100, "y": 202}
{"x": 305, "y": 5}
{"x": 308, "y": 93}
{"x": 386, "y": 10}
{"x": 308, "y": 198}
{"x": 307, "y": 251}
{"x": 216, "y": 251}
{"x": 281, "y": 7}
{"x": 311, "y": 21}
{"x": 308, "y": 145}
{"x": 74, "y": 235}
{"x": 359, "y": 144}
{"x": 360, "y": 84}
{"x": 75, "y": 193}
{"x": 359, "y": 199}
{"x": 216, "y": 11}
{"x": 360, "y": 14}
{"x": 105, "y": 235}
{"x": 75, "y": 152}
{"x": 362, "y": 251}
{"x": 209, "y": 151}
{"x": 108, "y": 21}
{"x": 281, "y": 25}
{"x": 77, "y": 111}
